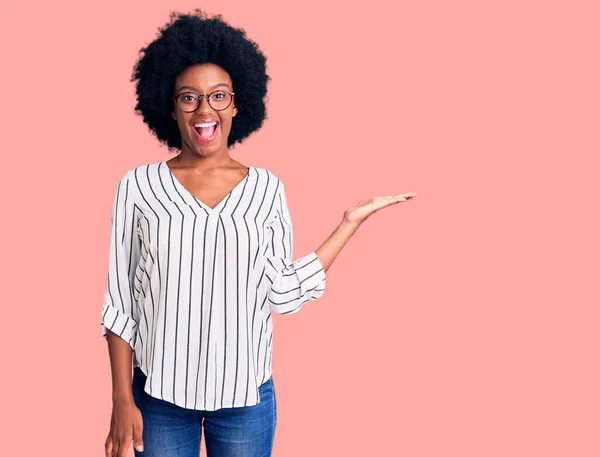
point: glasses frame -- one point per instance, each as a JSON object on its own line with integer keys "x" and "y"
{"x": 199, "y": 99}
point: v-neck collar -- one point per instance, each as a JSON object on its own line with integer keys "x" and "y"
{"x": 217, "y": 209}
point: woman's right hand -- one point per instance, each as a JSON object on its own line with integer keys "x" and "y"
{"x": 125, "y": 425}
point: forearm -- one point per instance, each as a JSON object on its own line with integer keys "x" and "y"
{"x": 120, "y": 354}
{"x": 332, "y": 246}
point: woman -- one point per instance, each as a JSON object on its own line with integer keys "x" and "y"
{"x": 201, "y": 254}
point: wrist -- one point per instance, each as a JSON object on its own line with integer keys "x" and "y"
{"x": 122, "y": 397}
{"x": 349, "y": 225}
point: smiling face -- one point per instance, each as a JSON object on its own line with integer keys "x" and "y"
{"x": 205, "y": 130}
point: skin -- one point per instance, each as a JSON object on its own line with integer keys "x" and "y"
{"x": 126, "y": 419}
{"x": 206, "y": 169}
{"x": 209, "y": 173}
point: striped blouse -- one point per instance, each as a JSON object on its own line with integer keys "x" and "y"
{"x": 191, "y": 288}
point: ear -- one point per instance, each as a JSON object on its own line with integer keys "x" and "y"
{"x": 173, "y": 115}
{"x": 235, "y": 110}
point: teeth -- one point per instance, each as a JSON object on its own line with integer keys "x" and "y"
{"x": 207, "y": 124}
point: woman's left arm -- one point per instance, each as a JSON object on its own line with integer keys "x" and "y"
{"x": 353, "y": 218}
{"x": 293, "y": 283}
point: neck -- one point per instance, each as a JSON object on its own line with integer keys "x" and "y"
{"x": 188, "y": 158}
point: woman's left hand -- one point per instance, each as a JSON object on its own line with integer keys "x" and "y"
{"x": 364, "y": 208}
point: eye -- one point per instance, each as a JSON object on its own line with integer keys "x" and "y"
{"x": 218, "y": 95}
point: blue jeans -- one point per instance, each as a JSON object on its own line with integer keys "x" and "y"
{"x": 172, "y": 431}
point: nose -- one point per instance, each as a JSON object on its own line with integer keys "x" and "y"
{"x": 203, "y": 105}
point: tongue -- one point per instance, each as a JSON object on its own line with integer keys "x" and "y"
{"x": 206, "y": 132}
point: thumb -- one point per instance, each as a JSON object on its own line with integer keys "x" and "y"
{"x": 138, "y": 443}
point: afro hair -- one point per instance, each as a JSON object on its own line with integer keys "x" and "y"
{"x": 189, "y": 39}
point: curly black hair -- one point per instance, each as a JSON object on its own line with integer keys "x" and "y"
{"x": 189, "y": 39}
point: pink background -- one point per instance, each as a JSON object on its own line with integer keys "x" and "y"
{"x": 464, "y": 323}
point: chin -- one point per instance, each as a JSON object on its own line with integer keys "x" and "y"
{"x": 209, "y": 149}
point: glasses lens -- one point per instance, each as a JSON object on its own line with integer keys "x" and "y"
{"x": 187, "y": 102}
{"x": 219, "y": 100}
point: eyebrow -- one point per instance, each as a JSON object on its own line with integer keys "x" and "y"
{"x": 191, "y": 88}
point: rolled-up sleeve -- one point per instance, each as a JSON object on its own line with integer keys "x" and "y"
{"x": 120, "y": 312}
{"x": 293, "y": 283}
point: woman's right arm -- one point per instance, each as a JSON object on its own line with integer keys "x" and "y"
{"x": 126, "y": 419}
{"x": 120, "y": 319}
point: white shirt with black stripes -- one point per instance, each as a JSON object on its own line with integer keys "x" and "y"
{"x": 191, "y": 288}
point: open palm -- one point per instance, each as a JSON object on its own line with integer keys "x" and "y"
{"x": 365, "y": 208}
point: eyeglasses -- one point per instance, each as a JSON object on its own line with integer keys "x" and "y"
{"x": 190, "y": 101}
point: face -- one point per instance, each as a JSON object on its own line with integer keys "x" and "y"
{"x": 204, "y": 140}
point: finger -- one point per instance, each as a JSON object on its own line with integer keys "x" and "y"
{"x": 123, "y": 447}
{"x": 108, "y": 447}
{"x": 138, "y": 443}
{"x": 385, "y": 198}
{"x": 115, "y": 448}
{"x": 407, "y": 195}
{"x": 389, "y": 200}
{"x": 396, "y": 199}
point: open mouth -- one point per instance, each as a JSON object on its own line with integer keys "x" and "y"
{"x": 206, "y": 131}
